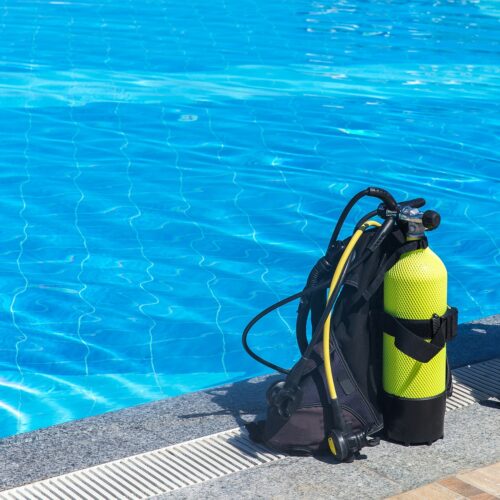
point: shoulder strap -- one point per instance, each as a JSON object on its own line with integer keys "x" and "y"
{"x": 313, "y": 303}
{"x": 389, "y": 262}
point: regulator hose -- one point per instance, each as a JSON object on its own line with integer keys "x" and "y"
{"x": 315, "y": 302}
{"x": 314, "y": 287}
{"x": 308, "y": 291}
{"x": 337, "y": 441}
{"x": 304, "y": 293}
{"x": 374, "y": 192}
{"x": 265, "y": 312}
{"x": 336, "y": 279}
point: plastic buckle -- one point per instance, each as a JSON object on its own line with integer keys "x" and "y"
{"x": 437, "y": 324}
{"x": 451, "y": 324}
{"x": 449, "y": 321}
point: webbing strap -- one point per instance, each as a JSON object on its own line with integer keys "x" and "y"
{"x": 427, "y": 328}
{"x": 442, "y": 329}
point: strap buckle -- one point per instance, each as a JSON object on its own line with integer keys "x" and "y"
{"x": 447, "y": 325}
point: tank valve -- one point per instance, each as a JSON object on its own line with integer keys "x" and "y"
{"x": 431, "y": 219}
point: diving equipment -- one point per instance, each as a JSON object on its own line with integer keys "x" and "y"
{"x": 377, "y": 355}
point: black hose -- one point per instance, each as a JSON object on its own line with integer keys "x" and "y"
{"x": 306, "y": 347}
{"x": 319, "y": 328}
{"x": 265, "y": 312}
{"x": 374, "y": 192}
{"x": 313, "y": 302}
{"x": 344, "y": 214}
{"x": 295, "y": 374}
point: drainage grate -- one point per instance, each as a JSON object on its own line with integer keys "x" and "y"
{"x": 154, "y": 472}
{"x": 475, "y": 383}
{"x": 193, "y": 462}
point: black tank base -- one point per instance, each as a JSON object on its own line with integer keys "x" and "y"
{"x": 414, "y": 421}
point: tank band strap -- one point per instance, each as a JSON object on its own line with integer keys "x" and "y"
{"x": 409, "y": 335}
{"x": 428, "y": 328}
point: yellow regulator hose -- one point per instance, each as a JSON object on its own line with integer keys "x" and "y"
{"x": 336, "y": 276}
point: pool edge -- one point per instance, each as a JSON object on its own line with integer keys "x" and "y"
{"x": 83, "y": 443}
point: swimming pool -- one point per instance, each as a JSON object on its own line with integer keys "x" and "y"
{"x": 171, "y": 168}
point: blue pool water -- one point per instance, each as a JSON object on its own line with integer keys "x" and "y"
{"x": 170, "y": 168}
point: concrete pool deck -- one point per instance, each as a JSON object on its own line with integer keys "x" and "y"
{"x": 471, "y": 440}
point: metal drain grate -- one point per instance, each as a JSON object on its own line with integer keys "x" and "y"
{"x": 193, "y": 462}
{"x": 475, "y": 383}
{"x": 154, "y": 472}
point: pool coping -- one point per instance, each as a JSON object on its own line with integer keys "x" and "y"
{"x": 83, "y": 443}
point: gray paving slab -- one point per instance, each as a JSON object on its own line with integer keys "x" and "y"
{"x": 295, "y": 478}
{"x": 91, "y": 441}
{"x": 471, "y": 441}
{"x": 79, "y": 444}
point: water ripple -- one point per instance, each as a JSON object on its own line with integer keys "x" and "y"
{"x": 82, "y": 286}
{"x": 22, "y": 335}
{"x": 168, "y": 170}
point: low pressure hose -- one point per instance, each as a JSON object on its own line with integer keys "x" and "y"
{"x": 374, "y": 192}
{"x": 338, "y": 421}
{"x": 326, "y": 328}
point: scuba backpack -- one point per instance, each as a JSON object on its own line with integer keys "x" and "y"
{"x": 376, "y": 359}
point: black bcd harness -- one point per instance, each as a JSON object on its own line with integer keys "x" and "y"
{"x": 300, "y": 421}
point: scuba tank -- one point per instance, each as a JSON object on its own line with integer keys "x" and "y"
{"x": 376, "y": 359}
{"x": 414, "y": 348}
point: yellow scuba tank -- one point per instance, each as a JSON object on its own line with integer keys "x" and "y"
{"x": 417, "y": 325}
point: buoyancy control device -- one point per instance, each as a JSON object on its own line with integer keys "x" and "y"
{"x": 376, "y": 360}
